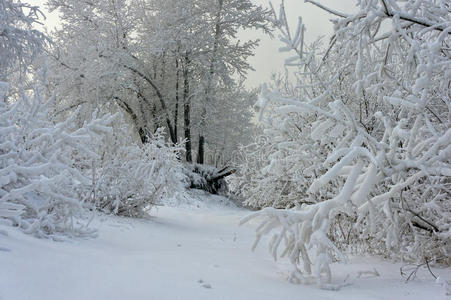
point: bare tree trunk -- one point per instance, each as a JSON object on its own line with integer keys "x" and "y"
{"x": 218, "y": 29}
{"x": 160, "y": 98}
{"x": 142, "y": 125}
{"x": 201, "y": 150}
{"x": 156, "y": 121}
{"x": 187, "y": 109}
{"x": 176, "y": 110}
{"x": 134, "y": 117}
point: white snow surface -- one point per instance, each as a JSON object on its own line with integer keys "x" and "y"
{"x": 194, "y": 250}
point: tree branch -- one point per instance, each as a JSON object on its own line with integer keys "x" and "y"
{"x": 334, "y": 12}
{"x": 160, "y": 98}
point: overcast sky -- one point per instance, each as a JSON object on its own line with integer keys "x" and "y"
{"x": 267, "y": 58}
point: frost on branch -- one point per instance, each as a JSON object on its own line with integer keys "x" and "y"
{"x": 42, "y": 186}
{"x": 55, "y": 165}
{"x": 19, "y": 41}
{"x": 51, "y": 173}
{"x": 130, "y": 178}
{"x": 372, "y": 115}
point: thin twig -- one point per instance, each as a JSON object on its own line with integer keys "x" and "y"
{"x": 334, "y": 12}
{"x": 429, "y": 268}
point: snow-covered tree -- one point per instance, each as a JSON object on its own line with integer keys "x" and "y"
{"x": 375, "y": 106}
{"x": 19, "y": 41}
{"x": 55, "y": 165}
{"x": 85, "y": 66}
{"x": 166, "y": 64}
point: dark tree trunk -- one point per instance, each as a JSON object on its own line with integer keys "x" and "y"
{"x": 218, "y": 33}
{"x": 143, "y": 135}
{"x": 156, "y": 121}
{"x": 201, "y": 150}
{"x": 141, "y": 131}
{"x": 187, "y": 109}
{"x": 176, "y": 111}
{"x": 160, "y": 98}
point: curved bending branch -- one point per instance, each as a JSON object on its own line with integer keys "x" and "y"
{"x": 160, "y": 98}
{"x": 334, "y": 12}
{"x": 389, "y": 13}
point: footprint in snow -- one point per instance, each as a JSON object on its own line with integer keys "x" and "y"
{"x": 204, "y": 285}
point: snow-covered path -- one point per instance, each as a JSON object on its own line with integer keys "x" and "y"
{"x": 181, "y": 253}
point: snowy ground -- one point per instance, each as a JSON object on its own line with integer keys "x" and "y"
{"x": 185, "y": 252}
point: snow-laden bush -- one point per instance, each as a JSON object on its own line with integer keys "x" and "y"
{"x": 42, "y": 185}
{"x": 52, "y": 170}
{"x": 131, "y": 177}
{"x": 375, "y": 107}
{"x": 277, "y": 168}
{"x": 51, "y": 173}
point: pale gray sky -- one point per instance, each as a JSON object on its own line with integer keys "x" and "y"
{"x": 51, "y": 18}
{"x": 267, "y": 58}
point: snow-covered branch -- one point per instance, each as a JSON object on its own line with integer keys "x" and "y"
{"x": 361, "y": 142}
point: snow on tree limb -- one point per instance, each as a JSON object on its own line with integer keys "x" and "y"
{"x": 372, "y": 154}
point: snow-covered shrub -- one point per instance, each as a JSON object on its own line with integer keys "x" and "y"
{"x": 377, "y": 103}
{"x": 130, "y": 178}
{"x": 52, "y": 172}
{"x": 56, "y": 163}
{"x": 42, "y": 186}
{"x": 279, "y": 166}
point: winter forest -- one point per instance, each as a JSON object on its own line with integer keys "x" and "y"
{"x": 137, "y": 162}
